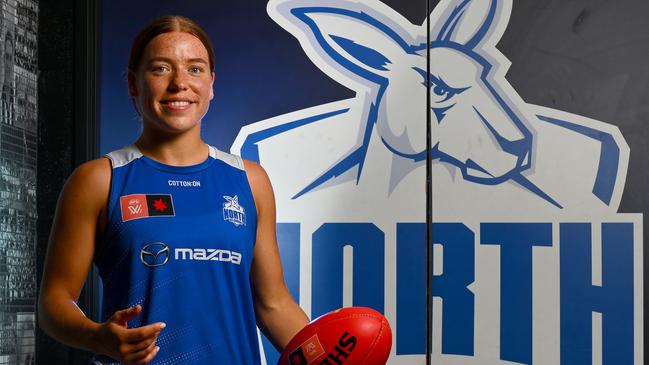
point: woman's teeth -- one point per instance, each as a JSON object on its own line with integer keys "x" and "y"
{"x": 178, "y": 103}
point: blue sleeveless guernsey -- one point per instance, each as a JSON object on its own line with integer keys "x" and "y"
{"x": 179, "y": 241}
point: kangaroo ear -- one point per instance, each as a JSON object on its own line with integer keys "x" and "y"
{"x": 466, "y": 22}
{"x": 351, "y": 38}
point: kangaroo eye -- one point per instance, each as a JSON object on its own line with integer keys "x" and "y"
{"x": 440, "y": 91}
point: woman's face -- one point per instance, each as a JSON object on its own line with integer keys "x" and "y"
{"x": 173, "y": 84}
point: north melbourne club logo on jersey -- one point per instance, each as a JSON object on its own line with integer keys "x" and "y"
{"x": 136, "y": 206}
{"x": 233, "y": 212}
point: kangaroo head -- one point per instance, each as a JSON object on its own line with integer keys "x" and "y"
{"x": 384, "y": 57}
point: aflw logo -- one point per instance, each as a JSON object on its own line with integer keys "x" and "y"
{"x": 135, "y": 206}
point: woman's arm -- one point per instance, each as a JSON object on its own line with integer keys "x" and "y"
{"x": 79, "y": 213}
{"x": 278, "y": 316}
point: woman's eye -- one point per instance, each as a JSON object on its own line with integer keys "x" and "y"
{"x": 160, "y": 69}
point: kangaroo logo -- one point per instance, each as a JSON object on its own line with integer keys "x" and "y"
{"x": 484, "y": 135}
{"x": 233, "y": 212}
{"x": 351, "y": 174}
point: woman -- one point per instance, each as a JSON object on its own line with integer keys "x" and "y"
{"x": 183, "y": 234}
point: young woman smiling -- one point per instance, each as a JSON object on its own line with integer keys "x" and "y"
{"x": 189, "y": 268}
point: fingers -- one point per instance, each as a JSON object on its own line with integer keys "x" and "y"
{"x": 144, "y": 355}
{"x": 124, "y": 315}
{"x": 136, "y": 335}
{"x": 142, "y": 345}
{"x": 130, "y": 345}
{"x": 139, "y": 344}
{"x": 150, "y": 356}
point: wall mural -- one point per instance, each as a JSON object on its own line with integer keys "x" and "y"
{"x": 532, "y": 262}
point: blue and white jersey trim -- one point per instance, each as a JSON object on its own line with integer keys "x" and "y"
{"x": 127, "y": 154}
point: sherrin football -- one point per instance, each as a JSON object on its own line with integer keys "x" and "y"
{"x": 347, "y": 336}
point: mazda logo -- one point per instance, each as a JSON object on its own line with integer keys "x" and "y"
{"x": 154, "y": 254}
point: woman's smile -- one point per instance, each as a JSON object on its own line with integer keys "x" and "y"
{"x": 176, "y": 105}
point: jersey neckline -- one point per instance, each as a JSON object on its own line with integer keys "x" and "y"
{"x": 177, "y": 169}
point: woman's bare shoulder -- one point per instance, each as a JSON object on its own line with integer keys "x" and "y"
{"x": 94, "y": 171}
{"x": 90, "y": 179}
{"x": 262, "y": 190}
{"x": 257, "y": 176}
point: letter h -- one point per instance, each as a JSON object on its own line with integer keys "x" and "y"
{"x": 579, "y": 298}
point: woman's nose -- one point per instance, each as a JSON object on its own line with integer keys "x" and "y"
{"x": 178, "y": 82}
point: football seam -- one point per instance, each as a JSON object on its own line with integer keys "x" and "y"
{"x": 369, "y": 351}
{"x": 347, "y": 316}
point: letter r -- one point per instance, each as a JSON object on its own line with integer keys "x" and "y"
{"x": 451, "y": 286}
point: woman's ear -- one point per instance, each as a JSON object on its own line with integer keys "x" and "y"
{"x": 132, "y": 88}
{"x": 212, "y": 86}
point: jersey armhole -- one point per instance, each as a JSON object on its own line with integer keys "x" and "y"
{"x": 244, "y": 172}
{"x": 108, "y": 209}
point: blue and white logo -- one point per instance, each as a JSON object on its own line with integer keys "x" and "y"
{"x": 233, "y": 212}
{"x": 525, "y": 197}
{"x": 483, "y": 132}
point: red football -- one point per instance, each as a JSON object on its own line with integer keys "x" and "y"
{"x": 347, "y": 336}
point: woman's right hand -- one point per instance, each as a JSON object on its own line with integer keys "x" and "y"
{"x": 79, "y": 219}
{"x": 128, "y": 345}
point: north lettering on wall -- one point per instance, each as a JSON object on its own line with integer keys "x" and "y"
{"x": 533, "y": 263}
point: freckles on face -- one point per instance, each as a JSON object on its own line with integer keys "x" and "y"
{"x": 173, "y": 84}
